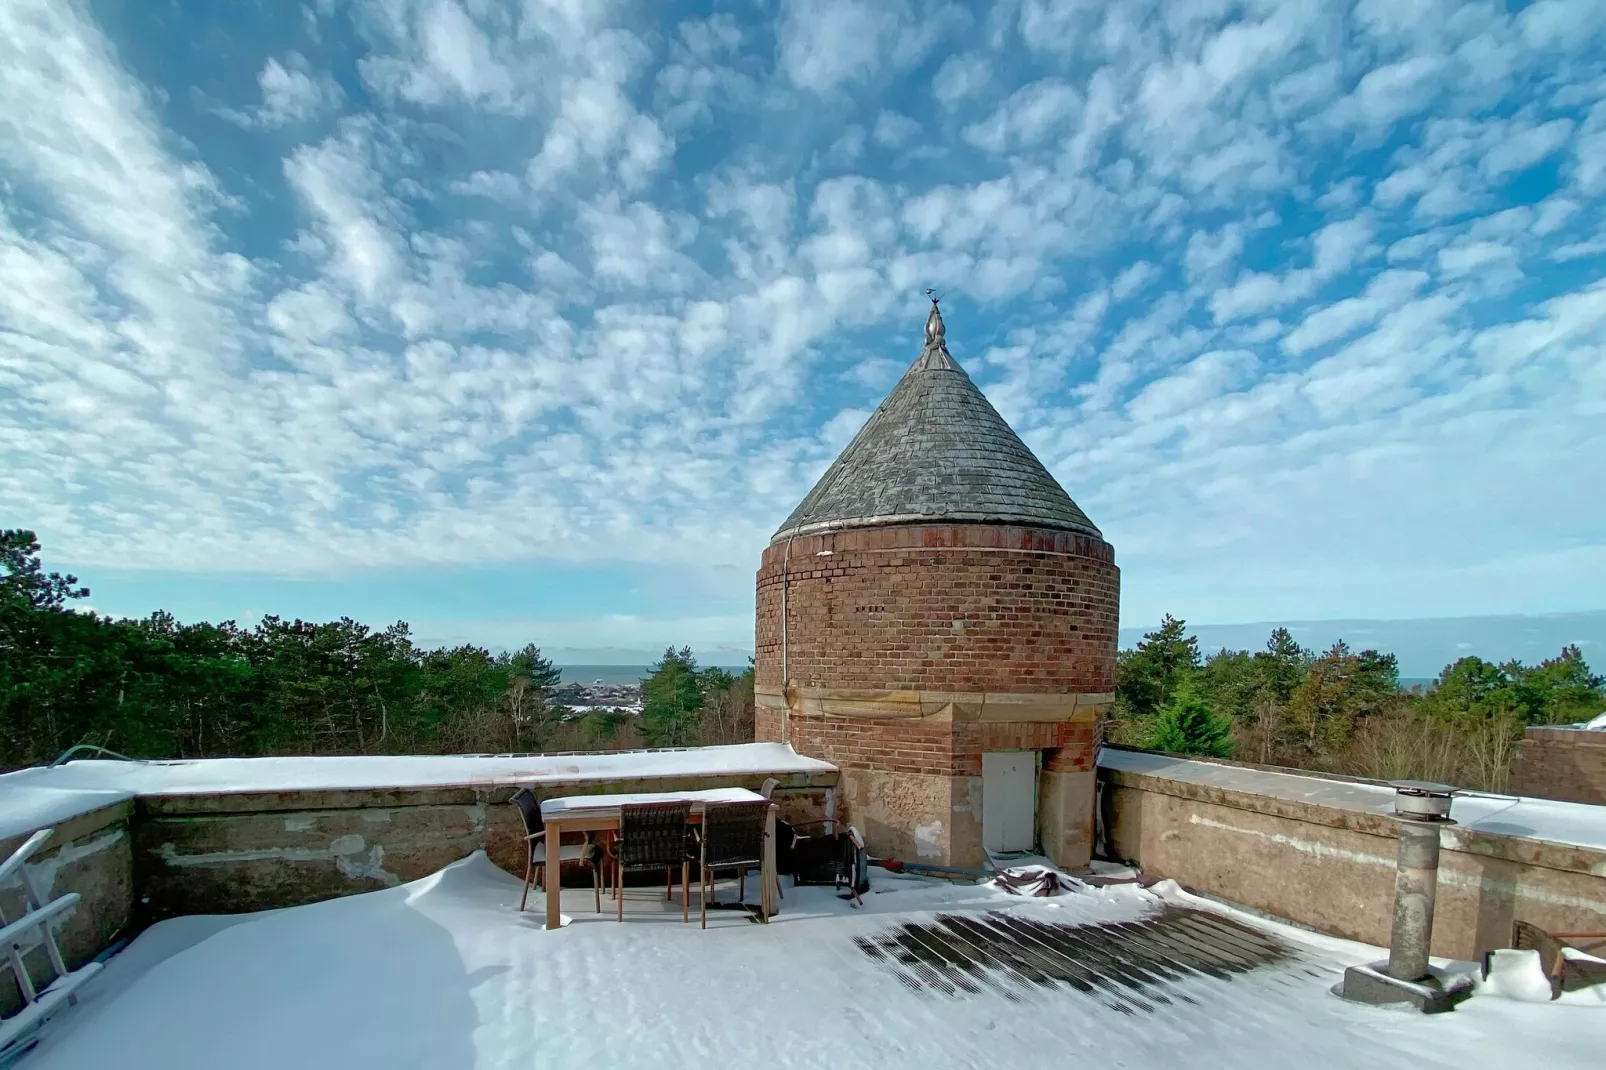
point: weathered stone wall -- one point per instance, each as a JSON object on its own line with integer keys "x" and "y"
{"x": 1562, "y": 763}
{"x": 910, "y": 650}
{"x": 955, "y": 607}
{"x": 90, "y": 854}
{"x": 1333, "y": 868}
{"x": 224, "y": 854}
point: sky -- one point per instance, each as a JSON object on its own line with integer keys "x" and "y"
{"x": 531, "y": 320}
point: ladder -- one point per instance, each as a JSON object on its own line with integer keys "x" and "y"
{"x": 37, "y": 914}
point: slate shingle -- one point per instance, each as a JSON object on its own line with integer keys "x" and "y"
{"x": 935, "y": 451}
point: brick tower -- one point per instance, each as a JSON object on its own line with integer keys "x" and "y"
{"x": 938, "y": 618}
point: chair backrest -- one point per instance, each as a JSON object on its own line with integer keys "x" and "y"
{"x": 769, "y": 787}
{"x": 733, "y": 833}
{"x": 652, "y": 834}
{"x": 530, "y": 808}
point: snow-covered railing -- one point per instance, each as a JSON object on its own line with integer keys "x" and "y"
{"x": 37, "y": 913}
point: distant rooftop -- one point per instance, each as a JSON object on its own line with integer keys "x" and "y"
{"x": 936, "y": 450}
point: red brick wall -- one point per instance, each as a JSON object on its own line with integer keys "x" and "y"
{"x": 1568, "y": 764}
{"x": 905, "y": 745}
{"x": 767, "y": 725}
{"x": 1039, "y": 610}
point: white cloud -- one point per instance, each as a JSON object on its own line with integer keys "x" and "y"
{"x": 636, "y": 244}
{"x": 1389, "y": 93}
{"x": 339, "y": 187}
{"x": 1469, "y": 257}
{"x": 1339, "y": 245}
{"x": 960, "y": 78}
{"x": 442, "y": 54}
{"x": 1030, "y": 114}
{"x": 1209, "y": 252}
{"x": 1387, "y": 291}
{"x": 894, "y": 129}
{"x": 826, "y": 44}
{"x": 1524, "y": 148}
{"x": 1132, "y": 279}
{"x": 496, "y": 185}
{"x": 568, "y": 285}
{"x": 291, "y": 94}
{"x": 1201, "y": 379}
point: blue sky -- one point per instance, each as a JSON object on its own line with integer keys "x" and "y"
{"x": 532, "y": 320}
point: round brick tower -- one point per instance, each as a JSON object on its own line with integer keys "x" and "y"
{"x": 938, "y": 618}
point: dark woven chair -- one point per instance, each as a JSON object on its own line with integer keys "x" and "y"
{"x": 813, "y": 856}
{"x": 536, "y": 852}
{"x": 653, "y": 835}
{"x": 732, "y": 837}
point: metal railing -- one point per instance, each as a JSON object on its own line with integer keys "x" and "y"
{"x": 31, "y": 930}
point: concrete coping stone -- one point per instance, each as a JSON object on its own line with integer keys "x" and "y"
{"x": 77, "y": 827}
{"x": 1367, "y": 807}
{"x": 470, "y": 794}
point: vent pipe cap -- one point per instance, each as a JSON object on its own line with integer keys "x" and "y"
{"x": 1421, "y": 800}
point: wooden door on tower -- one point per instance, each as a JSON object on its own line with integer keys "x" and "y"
{"x": 1009, "y": 800}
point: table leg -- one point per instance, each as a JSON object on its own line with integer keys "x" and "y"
{"x": 554, "y": 887}
{"x": 767, "y": 876}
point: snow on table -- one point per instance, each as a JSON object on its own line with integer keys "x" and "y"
{"x": 571, "y": 805}
{"x": 38, "y": 797}
{"x": 444, "y": 972}
{"x": 1570, "y": 824}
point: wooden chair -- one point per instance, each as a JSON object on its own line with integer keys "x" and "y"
{"x": 653, "y": 835}
{"x": 732, "y": 837}
{"x": 537, "y": 851}
{"x": 767, "y": 789}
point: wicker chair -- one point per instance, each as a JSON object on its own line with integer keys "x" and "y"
{"x": 653, "y": 835}
{"x": 732, "y": 837}
{"x": 535, "y": 865}
{"x": 836, "y": 857}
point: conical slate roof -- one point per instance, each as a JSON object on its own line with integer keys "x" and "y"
{"x": 936, "y": 450}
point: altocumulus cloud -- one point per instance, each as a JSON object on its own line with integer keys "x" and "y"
{"x": 1302, "y": 301}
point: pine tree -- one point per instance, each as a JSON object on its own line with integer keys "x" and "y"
{"x": 670, "y": 700}
{"x": 1187, "y": 726}
{"x": 1146, "y": 678}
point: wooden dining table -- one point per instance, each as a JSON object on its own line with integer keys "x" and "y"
{"x": 599, "y": 813}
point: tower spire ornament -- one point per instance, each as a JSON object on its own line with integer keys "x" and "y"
{"x": 936, "y": 333}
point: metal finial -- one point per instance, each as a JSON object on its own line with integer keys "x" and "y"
{"x": 935, "y": 331}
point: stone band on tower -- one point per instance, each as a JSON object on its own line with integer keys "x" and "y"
{"x": 935, "y": 598}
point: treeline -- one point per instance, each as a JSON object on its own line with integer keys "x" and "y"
{"x": 158, "y": 688}
{"x": 1343, "y": 710}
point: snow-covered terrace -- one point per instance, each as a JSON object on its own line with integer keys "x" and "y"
{"x": 445, "y": 973}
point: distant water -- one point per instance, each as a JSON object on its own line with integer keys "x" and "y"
{"x": 620, "y": 674}
{"x": 608, "y": 674}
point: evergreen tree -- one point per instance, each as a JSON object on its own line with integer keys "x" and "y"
{"x": 1282, "y": 665}
{"x": 1558, "y": 690}
{"x": 670, "y": 700}
{"x": 1146, "y": 678}
{"x": 1188, "y": 726}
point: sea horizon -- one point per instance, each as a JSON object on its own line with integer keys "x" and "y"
{"x": 621, "y": 674}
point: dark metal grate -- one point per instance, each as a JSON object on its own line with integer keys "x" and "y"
{"x": 1129, "y": 966}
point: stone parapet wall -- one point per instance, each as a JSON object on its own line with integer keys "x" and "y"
{"x": 91, "y": 854}
{"x": 940, "y": 607}
{"x": 229, "y": 853}
{"x": 1562, "y": 763}
{"x": 1332, "y": 867}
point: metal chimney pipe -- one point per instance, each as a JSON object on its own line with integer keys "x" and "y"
{"x": 1422, "y": 808}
